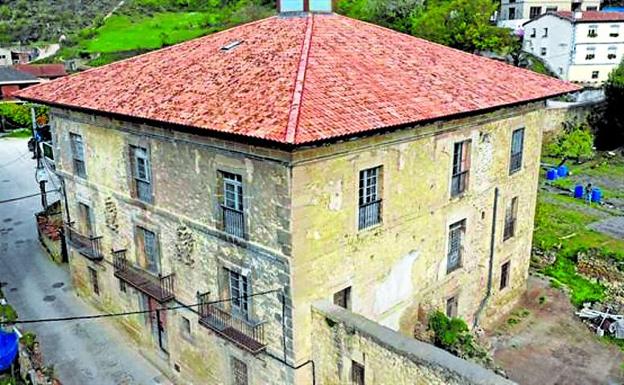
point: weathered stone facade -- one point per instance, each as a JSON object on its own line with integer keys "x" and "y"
{"x": 301, "y": 213}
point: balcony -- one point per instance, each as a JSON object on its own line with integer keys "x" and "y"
{"x": 159, "y": 287}
{"x": 88, "y": 246}
{"x": 369, "y": 214}
{"x": 246, "y": 334}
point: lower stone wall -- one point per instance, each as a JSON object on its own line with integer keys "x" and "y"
{"x": 343, "y": 340}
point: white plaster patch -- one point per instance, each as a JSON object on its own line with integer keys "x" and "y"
{"x": 250, "y": 169}
{"x": 398, "y": 286}
{"x": 335, "y": 195}
{"x": 403, "y": 147}
{"x": 197, "y": 161}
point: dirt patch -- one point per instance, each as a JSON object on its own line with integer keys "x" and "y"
{"x": 551, "y": 346}
{"x": 612, "y": 226}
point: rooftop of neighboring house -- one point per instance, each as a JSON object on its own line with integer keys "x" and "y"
{"x": 590, "y": 16}
{"x": 298, "y": 79}
{"x": 45, "y": 71}
{"x": 10, "y": 75}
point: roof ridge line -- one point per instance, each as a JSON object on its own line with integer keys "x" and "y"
{"x": 295, "y": 105}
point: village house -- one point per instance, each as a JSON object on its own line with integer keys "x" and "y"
{"x": 514, "y": 13}
{"x": 315, "y": 184}
{"x": 12, "y": 80}
{"x": 43, "y": 71}
{"x": 582, "y": 47}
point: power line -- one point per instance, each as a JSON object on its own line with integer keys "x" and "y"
{"x": 27, "y": 196}
{"x": 123, "y": 314}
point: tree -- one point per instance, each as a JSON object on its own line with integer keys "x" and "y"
{"x": 610, "y": 122}
{"x": 393, "y": 14}
{"x": 462, "y": 24}
{"x": 575, "y": 142}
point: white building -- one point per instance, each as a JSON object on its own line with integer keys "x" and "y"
{"x": 514, "y": 13}
{"x": 581, "y": 47}
{"x": 5, "y": 57}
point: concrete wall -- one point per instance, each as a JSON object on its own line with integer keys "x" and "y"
{"x": 397, "y": 270}
{"x": 184, "y": 169}
{"x": 388, "y": 357}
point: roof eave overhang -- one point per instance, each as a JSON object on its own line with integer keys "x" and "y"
{"x": 264, "y": 142}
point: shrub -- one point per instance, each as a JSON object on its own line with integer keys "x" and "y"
{"x": 576, "y": 142}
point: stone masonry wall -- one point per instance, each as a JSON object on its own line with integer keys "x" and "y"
{"x": 185, "y": 217}
{"x": 397, "y": 270}
{"x": 388, "y": 357}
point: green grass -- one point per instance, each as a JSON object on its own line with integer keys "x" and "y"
{"x": 123, "y": 33}
{"x": 581, "y": 289}
{"x": 21, "y": 133}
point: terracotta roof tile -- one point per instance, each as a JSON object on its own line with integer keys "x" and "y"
{"x": 347, "y": 77}
{"x": 592, "y": 16}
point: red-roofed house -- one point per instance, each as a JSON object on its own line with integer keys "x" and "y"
{"x": 300, "y": 158}
{"x": 582, "y": 47}
{"x": 43, "y": 71}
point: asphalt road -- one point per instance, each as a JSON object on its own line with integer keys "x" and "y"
{"x": 82, "y": 352}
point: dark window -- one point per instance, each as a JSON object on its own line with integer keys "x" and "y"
{"x": 94, "y": 280}
{"x": 592, "y": 8}
{"x": 239, "y": 372}
{"x": 185, "y": 326}
{"x": 122, "y": 286}
{"x": 612, "y": 53}
{"x": 511, "y": 214}
{"x": 591, "y": 53}
{"x": 461, "y": 167}
{"x": 141, "y": 173}
{"x": 543, "y": 51}
{"x": 233, "y": 216}
{"x": 451, "y": 307}
{"x": 77, "y": 147}
{"x": 148, "y": 253}
{"x": 517, "y": 148}
{"x": 545, "y": 32}
{"x": 239, "y": 291}
{"x": 357, "y": 374}
{"x": 343, "y": 298}
{"x": 551, "y": 9}
{"x": 533, "y": 32}
{"x": 614, "y": 31}
{"x": 535, "y": 12}
{"x": 595, "y": 74}
{"x": 369, "y": 213}
{"x": 504, "y": 281}
{"x": 512, "y": 13}
{"x": 592, "y": 31}
{"x": 457, "y": 233}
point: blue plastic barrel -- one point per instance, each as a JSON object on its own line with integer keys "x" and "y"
{"x": 596, "y": 195}
{"x": 551, "y": 174}
{"x": 562, "y": 171}
{"x": 578, "y": 191}
{"x": 8, "y": 349}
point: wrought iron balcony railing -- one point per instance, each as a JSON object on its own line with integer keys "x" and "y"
{"x": 247, "y": 334}
{"x": 233, "y": 222}
{"x": 159, "y": 287}
{"x": 369, "y": 214}
{"x": 87, "y": 245}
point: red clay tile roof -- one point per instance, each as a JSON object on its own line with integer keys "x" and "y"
{"x": 592, "y": 16}
{"x": 43, "y": 70}
{"x": 298, "y": 80}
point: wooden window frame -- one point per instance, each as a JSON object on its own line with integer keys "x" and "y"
{"x": 141, "y": 171}
{"x": 358, "y": 373}
{"x": 511, "y": 219}
{"x": 516, "y": 153}
{"x": 456, "y": 240}
{"x": 78, "y": 155}
{"x": 460, "y": 169}
{"x": 369, "y": 197}
{"x": 505, "y": 275}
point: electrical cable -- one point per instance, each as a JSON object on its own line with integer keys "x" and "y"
{"x": 123, "y": 314}
{"x": 27, "y": 196}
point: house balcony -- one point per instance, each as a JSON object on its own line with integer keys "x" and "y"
{"x": 88, "y": 246}
{"x": 159, "y": 287}
{"x": 248, "y": 335}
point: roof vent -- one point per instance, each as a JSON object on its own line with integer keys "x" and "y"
{"x": 231, "y": 45}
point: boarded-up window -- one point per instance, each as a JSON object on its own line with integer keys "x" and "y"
{"x": 511, "y": 214}
{"x": 239, "y": 372}
{"x": 451, "y": 307}
{"x": 85, "y": 224}
{"x": 94, "y": 281}
{"x": 457, "y": 233}
{"x": 77, "y": 147}
{"x": 147, "y": 250}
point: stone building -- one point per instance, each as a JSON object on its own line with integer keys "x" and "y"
{"x": 243, "y": 176}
